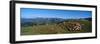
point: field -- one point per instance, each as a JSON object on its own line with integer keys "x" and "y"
{"x": 56, "y": 28}
{"x": 39, "y": 21}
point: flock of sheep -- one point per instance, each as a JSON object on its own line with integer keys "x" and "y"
{"x": 71, "y": 26}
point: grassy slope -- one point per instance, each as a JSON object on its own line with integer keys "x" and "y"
{"x": 53, "y": 29}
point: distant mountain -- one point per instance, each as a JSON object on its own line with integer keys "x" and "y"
{"x": 89, "y": 19}
{"x": 35, "y": 21}
{"x": 41, "y": 21}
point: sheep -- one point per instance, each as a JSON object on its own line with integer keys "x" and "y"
{"x": 71, "y": 26}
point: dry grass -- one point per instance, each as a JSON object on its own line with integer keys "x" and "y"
{"x": 53, "y": 29}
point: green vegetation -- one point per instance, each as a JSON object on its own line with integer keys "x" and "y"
{"x": 55, "y": 28}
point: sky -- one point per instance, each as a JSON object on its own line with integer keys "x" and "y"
{"x": 51, "y": 13}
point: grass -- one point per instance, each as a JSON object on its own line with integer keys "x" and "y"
{"x": 54, "y": 29}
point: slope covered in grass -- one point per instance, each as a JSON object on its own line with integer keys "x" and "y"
{"x": 54, "y": 29}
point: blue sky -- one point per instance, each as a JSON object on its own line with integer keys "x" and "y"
{"x": 50, "y": 13}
